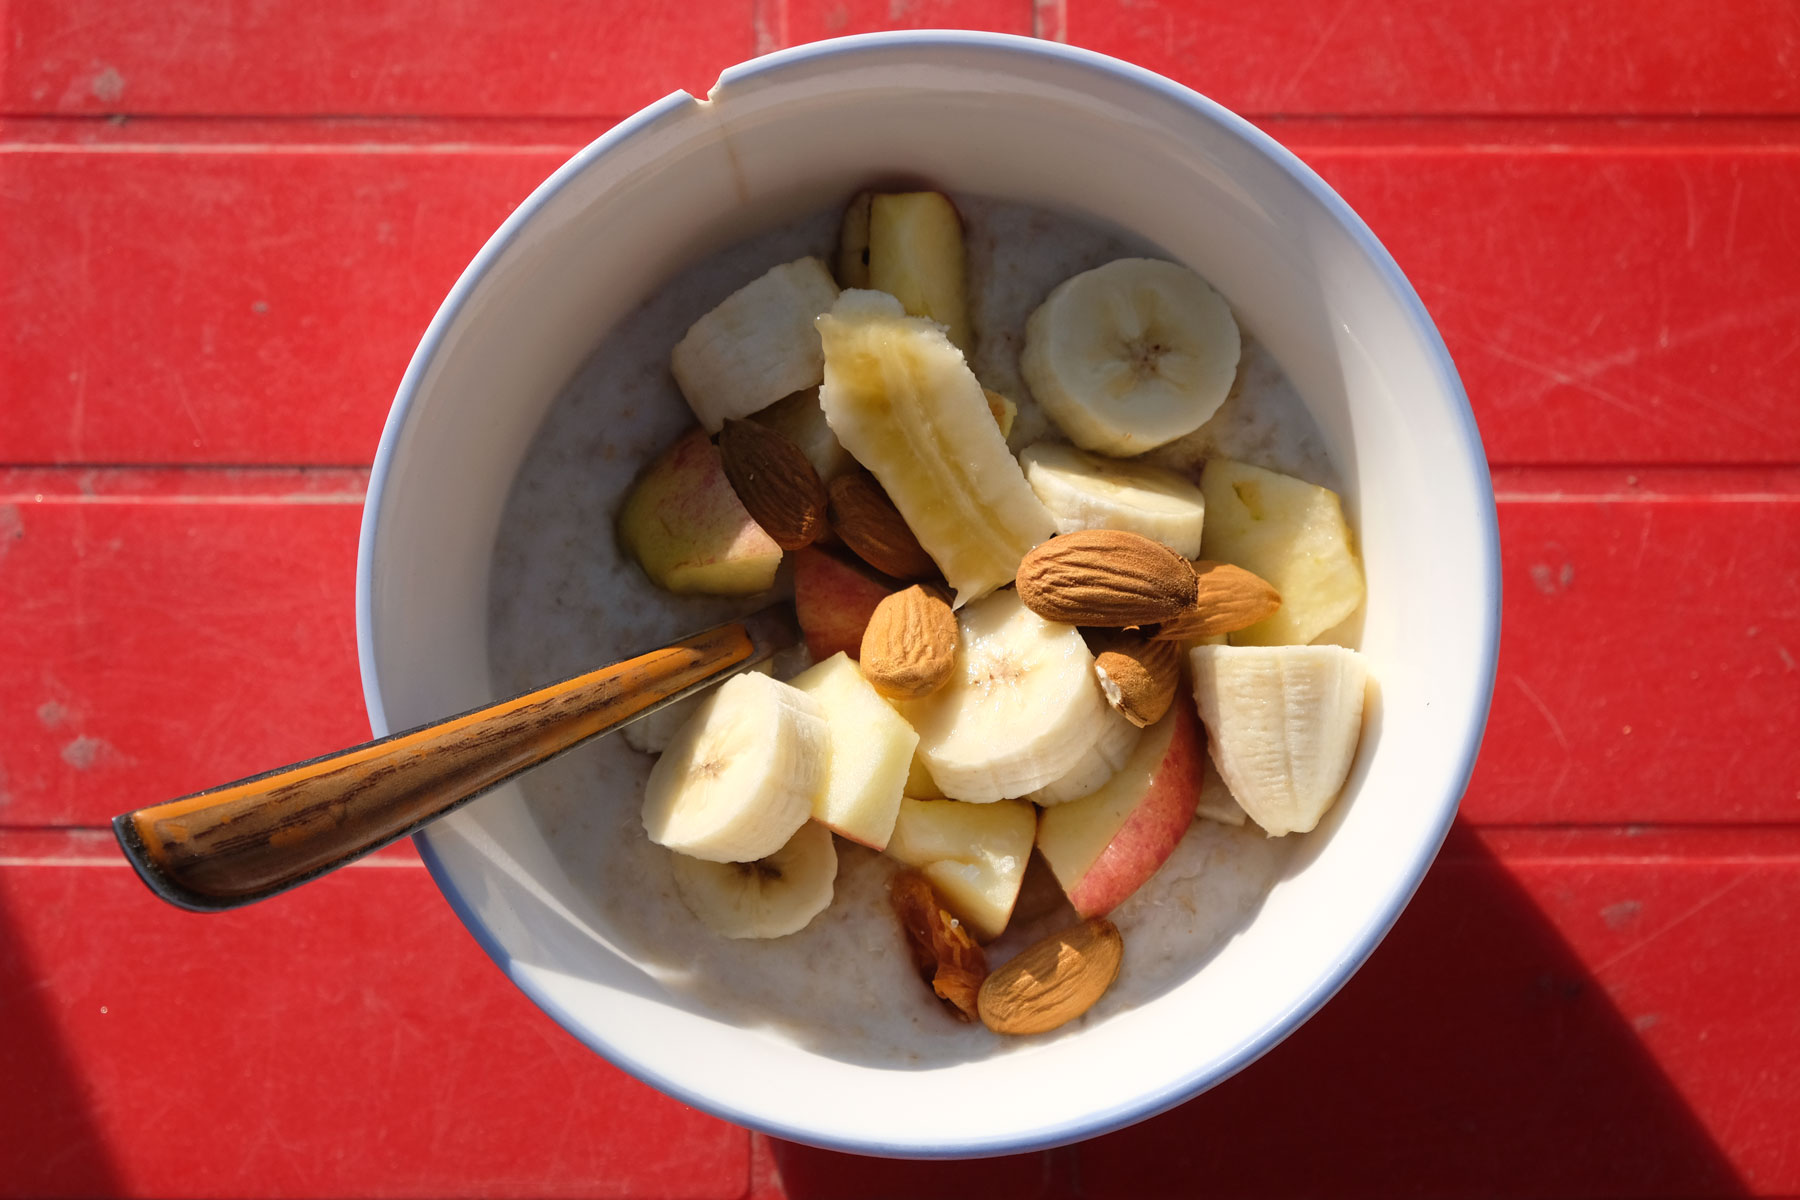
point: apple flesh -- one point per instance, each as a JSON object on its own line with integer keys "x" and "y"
{"x": 870, "y": 752}
{"x": 973, "y": 854}
{"x": 833, "y": 601}
{"x": 686, "y": 527}
{"x": 1104, "y": 847}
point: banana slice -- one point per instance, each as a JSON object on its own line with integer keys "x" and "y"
{"x": 769, "y": 898}
{"x": 1086, "y": 491}
{"x": 904, "y": 403}
{"x": 743, "y": 773}
{"x": 1131, "y": 355}
{"x": 1283, "y": 723}
{"x": 1118, "y": 738}
{"x": 1021, "y": 710}
{"x": 757, "y": 346}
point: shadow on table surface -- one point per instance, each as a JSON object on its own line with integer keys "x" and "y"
{"x": 1472, "y": 1056}
{"x": 50, "y": 1142}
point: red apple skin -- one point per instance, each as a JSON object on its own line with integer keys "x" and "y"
{"x": 1154, "y": 828}
{"x": 833, "y": 601}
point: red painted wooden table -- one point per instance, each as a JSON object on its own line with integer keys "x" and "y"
{"x": 224, "y": 225}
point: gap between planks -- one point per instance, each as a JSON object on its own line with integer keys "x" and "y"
{"x": 1342, "y": 134}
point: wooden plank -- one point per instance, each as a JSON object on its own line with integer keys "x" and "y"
{"x": 248, "y": 305}
{"x": 292, "y": 57}
{"x": 1291, "y": 56}
{"x": 214, "y": 301}
{"x": 159, "y": 645}
{"x": 346, "y": 1040}
{"x": 1410, "y": 57}
{"x": 1672, "y": 338}
{"x": 1650, "y": 653}
{"x": 793, "y": 22}
{"x": 177, "y": 629}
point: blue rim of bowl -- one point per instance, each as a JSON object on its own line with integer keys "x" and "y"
{"x": 1278, "y": 1027}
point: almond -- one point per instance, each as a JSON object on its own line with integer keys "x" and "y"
{"x": 1053, "y": 981}
{"x": 867, "y": 521}
{"x": 1228, "y": 599}
{"x": 1106, "y": 577}
{"x": 775, "y": 482}
{"x": 942, "y": 949}
{"x": 1139, "y": 676}
{"x": 909, "y": 647}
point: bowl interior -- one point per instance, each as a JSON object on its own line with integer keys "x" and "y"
{"x": 1021, "y": 121}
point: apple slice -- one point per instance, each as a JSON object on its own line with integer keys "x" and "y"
{"x": 973, "y": 854}
{"x": 870, "y": 752}
{"x": 686, "y": 527}
{"x": 1291, "y": 533}
{"x": 1103, "y": 847}
{"x": 833, "y": 601}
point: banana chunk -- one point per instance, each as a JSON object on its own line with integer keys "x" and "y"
{"x": 769, "y": 898}
{"x": 742, "y": 775}
{"x": 1131, "y": 355}
{"x": 1282, "y": 724}
{"x": 1086, "y": 491}
{"x": 904, "y": 403}
{"x": 1022, "y": 708}
{"x": 757, "y": 346}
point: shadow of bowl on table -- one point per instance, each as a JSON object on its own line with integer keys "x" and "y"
{"x": 1473, "y": 1056}
{"x": 51, "y": 1143}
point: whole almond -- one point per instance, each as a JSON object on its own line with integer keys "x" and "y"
{"x": 1139, "y": 676}
{"x": 909, "y": 647}
{"x": 1227, "y": 599}
{"x": 1053, "y": 981}
{"x": 775, "y": 481}
{"x": 945, "y": 954}
{"x": 867, "y": 521}
{"x": 1106, "y": 577}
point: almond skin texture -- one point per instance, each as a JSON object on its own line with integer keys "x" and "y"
{"x": 945, "y": 954}
{"x": 1228, "y": 599}
{"x": 1053, "y": 981}
{"x": 909, "y": 648}
{"x": 1106, "y": 577}
{"x": 775, "y": 481}
{"x": 867, "y": 521}
{"x": 1139, "y": 676}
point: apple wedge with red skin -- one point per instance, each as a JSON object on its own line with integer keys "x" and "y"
{"x": 833, "y": 601}
{"x": 1106, "y": 845}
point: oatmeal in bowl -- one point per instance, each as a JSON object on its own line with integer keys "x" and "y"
{"x": 1136, "y": 525}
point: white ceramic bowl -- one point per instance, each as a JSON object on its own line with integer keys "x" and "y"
{"x": 1027, "y": 121}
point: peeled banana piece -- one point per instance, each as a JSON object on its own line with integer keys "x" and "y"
{"x": 904, "y": 403}
{"x": 1022, "y": 708}
{"x": 1282, "y": 724}
{"x": 769, "y": 898}
{"x": 1088, "y": 491}
{"x": 757, "y": 346}
{"x": 1131, "y": 355}
{"x": 742, "y": 775}
{"x": 1118, "y": 738}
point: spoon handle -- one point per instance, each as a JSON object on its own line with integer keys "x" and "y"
{"x": 231, "y": 845}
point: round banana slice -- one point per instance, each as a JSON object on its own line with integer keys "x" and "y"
{"x": 1131, "y": 355}
{"x": 1087, "y": 491}
{"x": 769, "y": 898}
{"x": 741, "y": 776}
{"x": 1022, "y": 708}
{"x": 1118, "y": 738}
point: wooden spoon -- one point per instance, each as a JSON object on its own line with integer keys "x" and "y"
{"x": 231, "y": 845}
